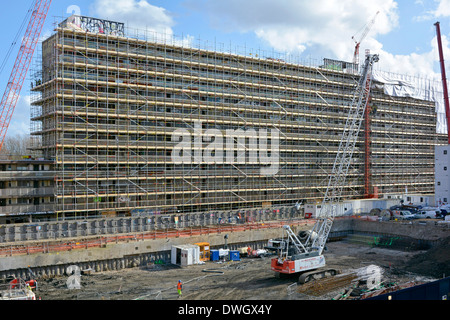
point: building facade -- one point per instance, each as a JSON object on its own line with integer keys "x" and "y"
{"x": 26, "y": 190}
{"x": 442, "y": 168}
{"x": 136, "y": 124}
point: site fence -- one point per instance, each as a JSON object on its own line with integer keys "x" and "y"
{"x": 61, "y": 245}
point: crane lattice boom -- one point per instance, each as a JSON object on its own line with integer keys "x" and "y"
{"x": 315, "y": 242}
{"x": 344, "y": 156}
{"x": 21, "y": 65}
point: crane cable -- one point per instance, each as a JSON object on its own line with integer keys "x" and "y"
{"x": 16, "y": 38}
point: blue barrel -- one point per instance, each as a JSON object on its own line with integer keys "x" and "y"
{"x": 214, "y": 255}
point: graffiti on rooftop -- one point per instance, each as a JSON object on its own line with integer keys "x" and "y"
{"x": 95, "y": 25}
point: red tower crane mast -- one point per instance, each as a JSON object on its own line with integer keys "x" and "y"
{"x": 22, "y": 64}
{"x": 367, "y": 160}
{"x": 444, "y": 79}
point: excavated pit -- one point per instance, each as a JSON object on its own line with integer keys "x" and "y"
{"x": 251, "y": 278}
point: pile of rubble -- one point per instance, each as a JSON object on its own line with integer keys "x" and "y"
{"x": 435, "y": 262}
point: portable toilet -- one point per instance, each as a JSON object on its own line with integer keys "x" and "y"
{"x": 215, "y": 255}
{"x": 234, "y": 255}
{"x": 185, "y": 255}
{"x": 204, "y": 251}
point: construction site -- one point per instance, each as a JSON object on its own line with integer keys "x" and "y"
{"x": 141, "y": 265}
{"x": 247, "y": 279}
{"x": 245, "y": 175}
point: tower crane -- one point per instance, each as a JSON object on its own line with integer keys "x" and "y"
{"x": 303, "y": 252}
{"x": 22, "y": 64}
{"x": 366, "y": 30}
{"x": 444, "y": 79}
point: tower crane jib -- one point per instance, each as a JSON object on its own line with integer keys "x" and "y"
{"x": 364, "y": 33}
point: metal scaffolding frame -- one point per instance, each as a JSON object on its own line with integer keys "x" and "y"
{"x": 105, "y": 107}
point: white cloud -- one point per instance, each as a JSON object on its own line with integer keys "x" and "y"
{"x": 443, "y": 9}
{"x": 143, "y": 17}
{"x": 326, "y": 27}
{"x": 138, "y": 14}
{"x": 412, "y": 64}
{"x": 295, "y": 26}
{"x": 422, "y": 64}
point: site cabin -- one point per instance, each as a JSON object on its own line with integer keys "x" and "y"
{"x": 205, "y": 250}
{"x": 346, "y": 208}
{"x": 185, "y": 255}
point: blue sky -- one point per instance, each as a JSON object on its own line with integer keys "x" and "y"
{"x": 403, "y": 34}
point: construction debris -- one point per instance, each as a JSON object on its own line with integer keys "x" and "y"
{"x": 435, "y": 262}
{"x": 322, "y": 286}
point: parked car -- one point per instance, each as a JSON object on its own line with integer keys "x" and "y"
{"x": 410, "y": 210}
{"x": 426, "y": 214}
{"x": 403, "y": 215}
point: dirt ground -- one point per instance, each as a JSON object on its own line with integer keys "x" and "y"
{"x": 248, "y": 279}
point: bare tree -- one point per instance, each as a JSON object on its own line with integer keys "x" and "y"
{"x": 16, "y": 146}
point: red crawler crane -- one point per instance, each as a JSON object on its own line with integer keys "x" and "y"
{"x": 22, "y": 64}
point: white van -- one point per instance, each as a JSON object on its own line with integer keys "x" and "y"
{"x": 425, "y": 214}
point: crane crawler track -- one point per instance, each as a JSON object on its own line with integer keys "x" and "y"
{"x": 317, "y": 274}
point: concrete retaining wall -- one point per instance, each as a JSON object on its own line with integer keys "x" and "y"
{"x": 131, "y": 254}
{"x": 431, "y": 231}
{"x": 139, "y": 253}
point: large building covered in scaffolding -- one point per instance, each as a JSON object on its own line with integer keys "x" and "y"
{"x": 111, "y": 111}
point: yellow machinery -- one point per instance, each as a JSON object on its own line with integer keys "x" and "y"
{"x": 204, "y": 251}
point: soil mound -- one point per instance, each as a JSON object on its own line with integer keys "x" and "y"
{"x": 435, "y": 262}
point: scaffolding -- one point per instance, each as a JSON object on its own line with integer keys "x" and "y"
{"x": 105, "y": 107}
